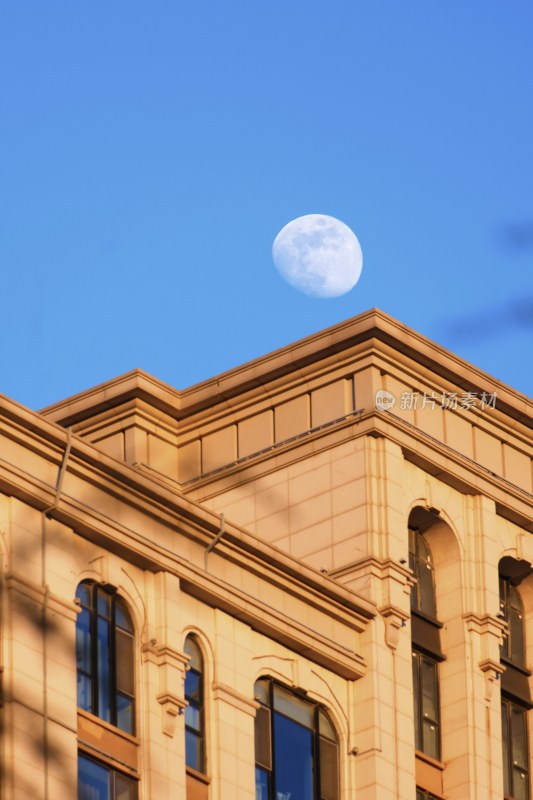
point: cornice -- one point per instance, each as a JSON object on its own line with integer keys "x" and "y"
{"x": 294, "y": 361}
{"x": 136, "y": 489}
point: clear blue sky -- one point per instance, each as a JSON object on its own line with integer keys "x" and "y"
{"x": 151, "y": 151}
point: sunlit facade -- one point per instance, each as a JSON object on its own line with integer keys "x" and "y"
{"x": 309, "y": 578}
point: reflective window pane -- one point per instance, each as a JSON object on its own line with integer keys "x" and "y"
{"x": 193, "y": 718}
{"x": 325, "y": 727}
{"x": 430, "y": 735}
{"x": 262, "y": 784}
{"x": 193, "y": 750}
{"x": 293, "y": 757}
{"x": 506, "y": 750}
{"x": 513, "y": 646}
{"x": 423, "y": 593}
{"x": 263, "y": 741}
{"x": 329, "y": 770}
{"x": 125, "y": 715}
{"x": 194, "y": 653}
{"x": 122, "y": 617}
{"x": 429, "y": 689}
{"x": 105, "y": 657}
{"x": 426, "y": 590}
{"x": 83, "y": 593}
{"x": 194, "y": 712}
{"x": 296, "y": 747}
{"x": 104, "y": 686}
{"x": 193, "y": 685}
{"x": 519, "y": 737}
{"x": 416, "y": 702}
{"x": 520, "y": 785}
{"x": 516, "y": 636}
{"x": 426, "y": 705}
{"x": 124, "y": 661}
{"x": 515, "y": 751}
{"x": 292, "y": 706}
{"x": 125, "y": 788}
{"x": 262, "y": 692}
{"x": 93, "y": 780}
{"x": 103, "y": 604}
{"x": 83, "y": 641}
{"x": 84, "y": 692}
{"x": 99, "y": 782}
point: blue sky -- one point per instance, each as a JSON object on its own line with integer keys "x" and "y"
{"x": 151, "y": 152}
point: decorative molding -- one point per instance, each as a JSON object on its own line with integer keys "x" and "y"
{"x": 493, "y": 671}
{"x": 171, "y": 708}
{"x": 221, "y": 691}
{"x": 483, "y": 624}
{"x": 171, "y": 666}
{"x": 395, "y": 619}
{"x": 162, "y": 654}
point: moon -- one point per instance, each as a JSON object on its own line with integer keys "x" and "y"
{"x": 319, "y": 255}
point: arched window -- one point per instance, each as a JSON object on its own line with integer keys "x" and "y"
{"x": 423, "y": 592}
{"x": 104, "y": 656}
{"x": 194, "y": 712}
{"x": 516, "y": 698}
{"x": 512, "y": 611}
{"x": 296, "y": 747}
{"x": 426, "y": 651}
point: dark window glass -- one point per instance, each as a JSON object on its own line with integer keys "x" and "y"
{"x": 293, "y": 757}
{"x": 102, "y": 670}
{"x": 262, "y": 784}
{"x": 296, "y": 747}
{"x": 84, "y": 659}
{"x": 104, "y": 657}
{"x": 194, "y": 712}
{"x": 511, "y": 610}
{"x": 329, "y": 770}
{"x": 423, "y": 592}
{"x": 99, "y": 782}
{"x": 426, "y": 648}
{"x": 263, "y": 743}
{"x": 515, "y": 751}
{"x": 426, "y": 704}
{"x": 93, "y": 780}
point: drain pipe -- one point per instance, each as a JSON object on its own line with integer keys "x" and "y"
{"x": 61, "y": 474}
{"x": 44, "y": 612}
{"x": 215, "y": 541}
{"x": 44, "y": 623}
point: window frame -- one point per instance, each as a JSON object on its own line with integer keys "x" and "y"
{"x": 105, "y": 688}
{"x": 199, "y": 733}
{"x": 419, "y": 557}
{"x": 112, "y": 772}
{"x": 419, "y": 658}
{"x": 512, "y": 611}
{"x": 266, "y": 692}
{"x": 508, "y": 706}
{"x": 425, "y": 643}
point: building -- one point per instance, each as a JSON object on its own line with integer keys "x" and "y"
{"x": 309, "y": 577}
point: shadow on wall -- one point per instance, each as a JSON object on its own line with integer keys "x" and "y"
{"x": 38, "y": 739}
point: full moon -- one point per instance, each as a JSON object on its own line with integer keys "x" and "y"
{"x": 318, "y": 255}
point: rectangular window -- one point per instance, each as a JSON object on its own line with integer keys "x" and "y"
{"x": 96, "y": 781}
{"x": 426, "y": 704}
{"x": 515, "y": 751}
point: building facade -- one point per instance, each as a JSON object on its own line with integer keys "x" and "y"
{"x": 309, "y": 578}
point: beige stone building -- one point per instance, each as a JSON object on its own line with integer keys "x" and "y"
{"x": 308, "y": 578}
